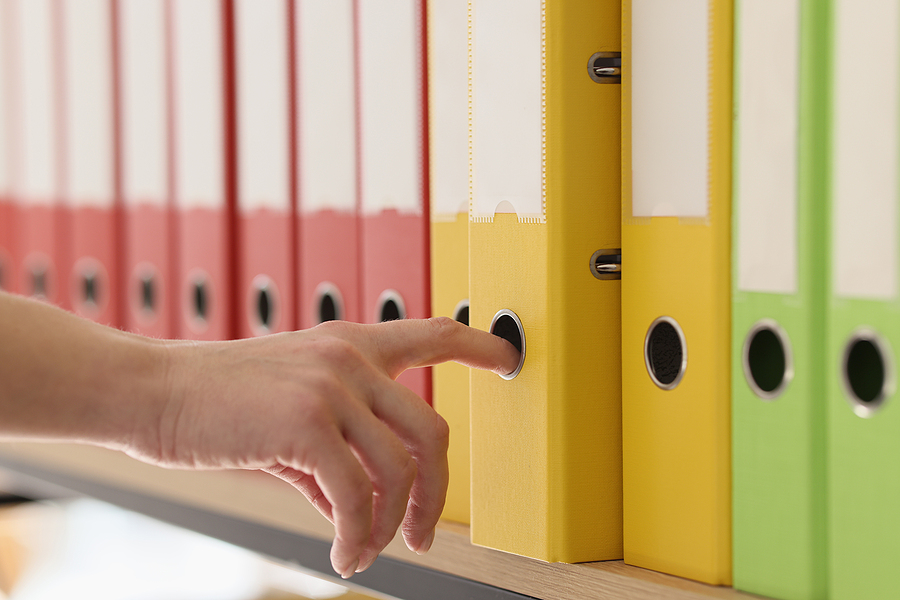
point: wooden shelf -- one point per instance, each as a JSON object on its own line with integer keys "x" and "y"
{"x": 249, "y": 507}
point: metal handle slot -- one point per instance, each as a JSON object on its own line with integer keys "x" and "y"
{"x": 605, "y": 67}
{"x": 607, "y": 264}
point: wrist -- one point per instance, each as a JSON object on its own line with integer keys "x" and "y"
{"x": 145, "y": 393}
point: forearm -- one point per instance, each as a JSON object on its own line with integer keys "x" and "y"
{"x": 319, "y": 408}
{"x": 66, "y": 378}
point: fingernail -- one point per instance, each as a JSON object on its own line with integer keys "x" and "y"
{"x": 426, "y": 545}
{"x": 350, "y": 570}
{"x": 363, "y": 566}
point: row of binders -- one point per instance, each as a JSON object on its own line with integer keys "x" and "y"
{"x": 211, "y": 169}
{"x": 684, "y": 213}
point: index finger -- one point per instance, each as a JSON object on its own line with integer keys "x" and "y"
{"x": 410, "y": 343}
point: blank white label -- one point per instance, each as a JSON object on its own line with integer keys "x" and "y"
{"x": 449, "y": 110}
{"x": 326, "y": 107}
{"x": 670, "y": 108}
{"x": 507, "y": 111}
{"x": 391, "y": 105}
{"x": 89, "y": 103}
{"x": 263, "y": 105}
{"x": 142, "y": 56}
{"x": 768, "y": 45}
{"x": 37, "y": 102}
{"x": 199, "y": 135}
{"x": 866, "y": 158}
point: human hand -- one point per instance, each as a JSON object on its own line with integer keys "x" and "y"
{"x": 320, "y": 409}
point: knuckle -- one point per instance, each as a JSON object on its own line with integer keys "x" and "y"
{"x": 408, "y": 472}
{"x": 326, "y": 384}
{"x": 333, "y": 328}
{"x": 316, "y": 413}
{"x": 440, "y": 435}
{"x": 332, "y": 397}
{"x": 339, "y": 352}
{"x": 396, "y": 478}
{"x": 444, "y": 327}
{"x": 359, "y": 502}
{"x": 434, "y": 437}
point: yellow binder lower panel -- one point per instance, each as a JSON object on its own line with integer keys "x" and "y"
{"x": 450, "y": 381}
{"x": 676, "y": 442}
{"x": 510, "y": 477}
{"x": 546, "y": 461}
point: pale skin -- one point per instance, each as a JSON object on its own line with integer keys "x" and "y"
{"x": 317, "y": 408}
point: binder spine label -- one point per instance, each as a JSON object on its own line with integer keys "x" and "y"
{"x": 866, "y": 154}
{"x": 88, "y": 102}
{"x": 767, "y": 144}
{"x": 144, "y": 112}
{"x": 199, "y": 104}
{"x": 670, "y": 108}
{"x": 391, "y": 103}
{"x": 6, "y": 142}
{"x": 507, "y": 151}
{"x": 326, "y": 121}
{"x": 262, "y": 104}
{"x": 449, "y": 112}
{"x": 37, "y": 102}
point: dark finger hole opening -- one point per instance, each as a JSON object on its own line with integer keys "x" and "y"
{"x": 665, "y": 353}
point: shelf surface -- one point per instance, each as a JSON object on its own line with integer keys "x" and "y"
{"x": 261, "y": 513}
